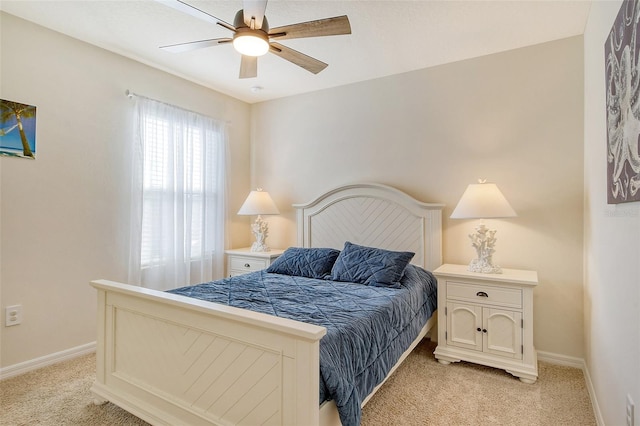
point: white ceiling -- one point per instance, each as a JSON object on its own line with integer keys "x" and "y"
{"x": 388, "y": 37}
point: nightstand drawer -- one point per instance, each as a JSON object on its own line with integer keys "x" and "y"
{"x": 500, "y": 296}
{"x": 243, "y": 260}
{"x": 247, "y": 264}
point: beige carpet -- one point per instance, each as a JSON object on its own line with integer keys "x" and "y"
{"x": 421, "y": 392}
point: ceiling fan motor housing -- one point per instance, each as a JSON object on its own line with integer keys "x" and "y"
{"x": 250, "y": 40}
{"x": 240, "y": 24}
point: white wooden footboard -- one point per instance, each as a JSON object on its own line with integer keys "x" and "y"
{"x": 171, "y": 360}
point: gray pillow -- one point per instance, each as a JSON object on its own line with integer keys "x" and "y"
{"x": 371, "y": 266}
{"x": 305, "y": 262}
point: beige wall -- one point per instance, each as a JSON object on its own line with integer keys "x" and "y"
{"x": 65, "y": 215}
{"x": 612, "y": 248}
{"x": 513, "y": 118}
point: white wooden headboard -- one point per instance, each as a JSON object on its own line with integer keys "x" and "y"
{"x": 373, "y": 215}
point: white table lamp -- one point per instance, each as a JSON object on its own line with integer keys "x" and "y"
{"x": 259, "y": 203}
{"x": 483, "y": 201}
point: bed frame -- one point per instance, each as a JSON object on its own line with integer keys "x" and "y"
{"x": 171, "y": 360}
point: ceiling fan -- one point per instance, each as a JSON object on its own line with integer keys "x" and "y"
{"x": 252, "y": 36}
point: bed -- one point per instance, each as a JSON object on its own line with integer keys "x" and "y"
{"x": 154, "y": 348}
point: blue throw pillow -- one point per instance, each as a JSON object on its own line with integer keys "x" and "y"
{"x": 305, "y": 262}
{"x": 371, "y": 266}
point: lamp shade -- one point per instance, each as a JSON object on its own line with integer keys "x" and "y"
{"x": 258, "y": 202}
{"x": 482, "y": 200}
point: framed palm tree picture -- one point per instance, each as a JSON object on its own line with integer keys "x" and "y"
{"x": 17, "y": 129}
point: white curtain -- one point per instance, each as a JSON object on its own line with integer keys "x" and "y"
{"x": 178, "y": 197}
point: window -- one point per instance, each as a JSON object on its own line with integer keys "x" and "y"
{"x": 159, "y": 181}
{"x": 178, "y": 207}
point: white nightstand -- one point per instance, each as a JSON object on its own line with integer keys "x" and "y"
{"x": 241, "y": 261}
{"x": 487, "y": 319}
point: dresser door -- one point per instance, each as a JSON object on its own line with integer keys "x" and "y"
{"x": 463, "y": 322}
{"x": 504, "y": 332}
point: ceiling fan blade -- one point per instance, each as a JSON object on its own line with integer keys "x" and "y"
{"x": 194, "y": 11}
{"x": 300, "y": 59}
{"x": 194, "y": 45}
{"x": 249, "y": 66}
{"x": 337, "y": 25}
{"x": 254, "y": 9}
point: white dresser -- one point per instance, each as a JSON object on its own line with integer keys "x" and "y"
{"x": 487, "y": 319}
{"x": 243, "y": 260}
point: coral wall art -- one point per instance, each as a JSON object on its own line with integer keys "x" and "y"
{"x": 17, "y": 129}
{"x": 623, "y": 106}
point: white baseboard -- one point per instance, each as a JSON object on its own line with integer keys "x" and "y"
{"x": 558, "y": 359}
{"x": 34, "y": 364}
{"x": 592, "y": 395}
{"x": 568, "y": 361}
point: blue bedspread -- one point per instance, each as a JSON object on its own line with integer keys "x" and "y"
{"x": 368, "y": 328}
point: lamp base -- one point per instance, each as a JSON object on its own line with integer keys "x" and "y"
{"x": 484, "y": 267}
{"x": 259, "y": 247}
{"x": 484, "y": 240}
{"x": 260, "y": 230}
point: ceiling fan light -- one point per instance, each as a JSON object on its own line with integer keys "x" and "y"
{"x": 250, "y": 44}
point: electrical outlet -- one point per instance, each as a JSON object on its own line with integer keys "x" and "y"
{"x": 12, "y": 315}
{"x": 630, "y": 409}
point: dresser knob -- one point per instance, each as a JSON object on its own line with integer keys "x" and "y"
{"x": 482, "y": 294}
{"x": 479, "y": 329}
{"x": 246, "y": 265}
